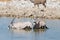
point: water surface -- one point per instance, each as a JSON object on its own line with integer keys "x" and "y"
{"x": 53, "y": 33}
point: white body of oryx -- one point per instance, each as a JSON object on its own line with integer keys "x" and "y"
{"x": 42, "y": 23}
{"x": 21, "y": 25}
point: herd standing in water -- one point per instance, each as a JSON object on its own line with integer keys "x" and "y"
{"x": 28, "y": 25}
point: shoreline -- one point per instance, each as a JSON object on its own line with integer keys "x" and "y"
{"x": 15, "y": 16}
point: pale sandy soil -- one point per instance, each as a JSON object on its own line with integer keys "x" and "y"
{"x": 27, "y": 9}
{"x": 4, "y": 0}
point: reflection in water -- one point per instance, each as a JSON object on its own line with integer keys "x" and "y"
{"x": 19, "y": 31}
{"x": 40, "y": 30}
{"x": 23, "y": 31}
{"x": 30, "y": 34}
{"x": 21, "y": 34}
{"x": 38, "y": 33}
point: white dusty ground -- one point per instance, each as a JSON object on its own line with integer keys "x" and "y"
{"x": 26, "y": 8}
